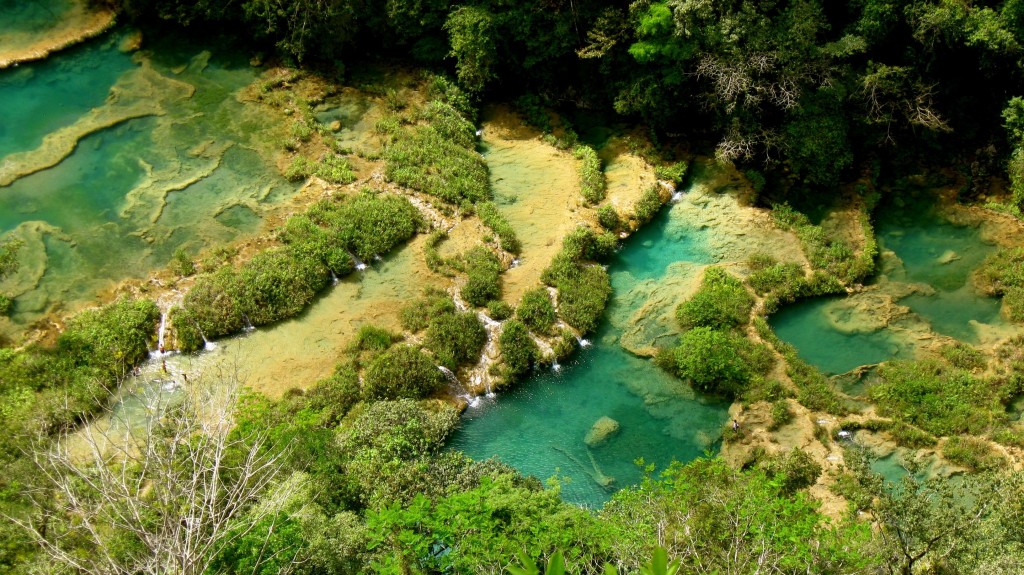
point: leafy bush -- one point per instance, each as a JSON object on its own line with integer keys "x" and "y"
{"x": 798, "y": 470}
{"x": 781, "y": 415}
{"x": 518, "y": 350}
{"x": 401, "y": 372}
{"x": 608, "y": 218}
{"x": 648, "y": 205}
{"x": 373, "y": 338}
{"x": 372, "y": 224}
{"x": 831, "y": 255}
{"x": 483, "y": 283}
{"x": 721, "y": 303}
{"x": 113, "y": 338}
{"x": 427, "y": 161}
{"x": 455, "y": 338}
{"x": 938, "y": 398}
{"x": 450, "y": 124}
{"x": 716, "y": 361}
{"x": 493, "y": 219}
{"x": 310, "y": 240}
{"x": 536, "y": 311}
{"x": 785, "y": 280}
{"x": 182, "y": 264}
{"x": 674, "y": 173}
{"x": 211, "y": 305}
{"x": 583, "y": 291}
{"x": 973, "y": 453}
{"x": 6, "y": 305}
{"x": 592, "y": 182}
{"x": 334, "y": 396}
{"x": 331, "y": 168}
{"x": 1002, "y": 274}
{"x": 276, "y": 285}
{"x": 434, "y": 302}
{"x": 963, "y": 356}
{"x": 499, "y": 310}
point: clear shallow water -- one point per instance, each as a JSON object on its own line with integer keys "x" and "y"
{"x": 195, "y": 173}
{"x": 40, "y": 97}
{"x": 539, "y": 427}
{"x": 929, "y": 251}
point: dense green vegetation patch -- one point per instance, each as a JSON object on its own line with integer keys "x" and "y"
{"x": 592, "y": 181}
{"x": 1003, "y": 275}
{"x": 402, "y": 371}
{"x": 455, "y": 338}
{"x": 939, "y": 398}
{"x": 716, "y": 361}
{"x": 831, "y": 255}
{"x": 721, "y": 302}
{"x": 279, "y": 283}
{"x": 483, "y": 281}
{"x": 438, "y": 158}
{"x": 518, "y": 350}
{"x": 536, "y": 311}
{"x": 493, "y": 219}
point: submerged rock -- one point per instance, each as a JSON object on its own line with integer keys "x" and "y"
{"x": 602, "y": 430}
{"x": 947, "y": 257}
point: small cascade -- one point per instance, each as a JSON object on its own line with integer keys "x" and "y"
{"x": 360, "y": 266}
{"x": 471, "y": 400}
{"x": 161, "y": 334}
{"x": 515, "y": 263}
{"x": 249, "y": 327}
{"x": 556, "y": 367}
{"x": 677, "y": 197}
{"x": 584, "y": 343}
{"x": 459, "y": 303}
{"x": 334, "y": 278}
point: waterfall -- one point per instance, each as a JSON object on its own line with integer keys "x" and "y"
{"x": 334, "y": 278}
{"x": 360, "y": 266}
{"x": 584, "y": 343}
{"x": 249, "y": 327}
{"x": 161, "y": 333}
{"x": 515, "y": 263}
{"x": 471, "y": 400}
{"x": 556, "y": 367}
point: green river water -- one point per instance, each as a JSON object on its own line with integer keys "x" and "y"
{"x": 926, "y": 251}
{"x": 183, "y": 163}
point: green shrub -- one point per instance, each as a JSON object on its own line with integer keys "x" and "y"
{"x": 564, "y": 344}
{"x": 797, "y": 469}
{"x": 973, "y": 453}
{"x": 938, "y": 398}
{"x": 536, "y": 311}
{"x": 721, "y": 302}
{"x": 182, "y": 264}
{"x": 828, "y": 254}
{"x": 427, "y": 161}
{"x": 187, "y": 336}
{"x": 335, "y": 169}
{"x": 114, "y": 338}
{"x": 674, "y": 173}
{"x": 483, "y": 283}
{"x": 518, "y": 350}
{"x": 583, "y": 292}
{"x": 781, "y": 415}
{"x": 608, "y": 218}
{"x": 963, "y": 356}
{"x": 786, "y": 280}
{"x": 372, "y": 224}
{"x": 450, "y": 124}
{"x": 493, "y": 219}
{"x": 592, "y": 182}
{"x": 434, "y": 302}
{"x": 499, "y": 310}
{"x": 212, "y": 306}
{"x": 373, "y": 338}
{"x": 716, "y": 361}
{"x": 275, "y": 285}
{"x": 401, "y": 372}
{"x": 648, "y": 205}
{"x": 310, "y": 240}
{"x": 456, "y": 338}
{"x": 334, "y": 396}
{"x": 6, "y": 305}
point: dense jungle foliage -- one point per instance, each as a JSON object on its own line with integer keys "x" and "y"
{"x": 805, "y": 91}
